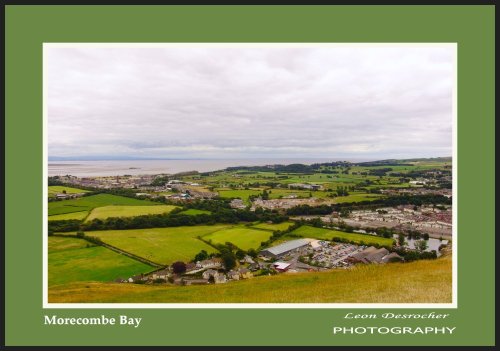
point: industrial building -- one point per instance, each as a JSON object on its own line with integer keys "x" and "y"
{"x": 285, "y": 248}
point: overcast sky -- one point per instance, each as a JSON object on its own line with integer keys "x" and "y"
{"x": 208, "y": 102}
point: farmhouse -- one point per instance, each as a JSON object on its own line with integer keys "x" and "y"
{"x": 233, "y": 275}
{"x": 245, "y": 273}
{"x": 161, "y": 274}
{"x": 374, "y": 255}
{"x": 304, "y": 186}
{"x": 281, "y": 266}
{"x": 282, "y": 249}
{"x": 237, "y": 203}
{"x": 220, "y": 278}
{"x": 209, "y": 273}
{"x": 211, "y": 263}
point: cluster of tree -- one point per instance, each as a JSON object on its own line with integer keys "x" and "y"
{"x": 161, "y": 180}
{"x": 361, "y": 243}
{"x": 380, "y": 172}
{"x": 55, "y": 181}
{"x": 413, "y": 255}
{"x": 68, "y": 225}
{"x": 265, "y": 195}
{"x": 416, "y": 235}
{"x": 307, "y": 210}
{"x": 342, "y": 190}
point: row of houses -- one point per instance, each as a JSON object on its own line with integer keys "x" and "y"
{"x": 305, "y": 186}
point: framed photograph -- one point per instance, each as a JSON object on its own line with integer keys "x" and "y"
{"x": 323, "y": 181}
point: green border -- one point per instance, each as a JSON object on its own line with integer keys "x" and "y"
{"x": 27, "y": 27}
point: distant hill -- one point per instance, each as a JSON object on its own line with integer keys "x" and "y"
{"x": 402, "y": 162}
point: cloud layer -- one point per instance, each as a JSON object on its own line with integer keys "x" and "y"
{"x": 273, "y": 102}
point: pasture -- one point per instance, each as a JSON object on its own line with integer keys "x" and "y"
{"x": 76, "y": 260}
{"x": 194, "y": 212}
{"x": 128, "y": 211}
{"x": 242, "y": 194}
{"x": 243, "y": 237}
{"x": 161, "y": 245}
{"x": 328, "y": 234}
{"x": 59, "y": 189}
{"x": 88, "y": 203}
{"x": 80, "y": 215}
{"x": 273, "y": 227}
{"x": 356, "y": 197}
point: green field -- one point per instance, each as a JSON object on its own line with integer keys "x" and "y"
{"x": 426, "y": 281}
{"x": 242, "y": 194}
{"x": 161, "y": 245}
{"x": 194, "y": 212}
{"x": 128, "y": 211}
{"x": 59, "y": 189}
{"x": 88, "y": 203}
{"x": 356, "y": 198}
{"x": 273, "y": 227}
{"x": 70, "y": 260}
{"x": 243, "y": 237}
{"x": 327, "y": 234}
{"x": 73, "y": 215}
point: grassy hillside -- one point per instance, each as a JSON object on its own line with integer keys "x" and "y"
{"x": 72, "y": 260}
{"x": 90, "y": 202}
{"x": 416, "y": 282}
{"x": 127, "y": 211}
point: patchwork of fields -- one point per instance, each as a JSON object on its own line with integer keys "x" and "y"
{"x": 88, "y": 203}
{"x": 73, "y": 260}
{"x": 161, "y": 245}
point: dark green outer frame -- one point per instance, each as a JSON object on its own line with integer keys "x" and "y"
{"x": 27, "y": 27}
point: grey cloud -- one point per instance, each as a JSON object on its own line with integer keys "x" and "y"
{"x": 250, "y": 102}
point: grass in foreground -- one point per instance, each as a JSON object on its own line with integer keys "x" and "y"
{"x": 415, "y": 282}
{"x": 243, "y": 237}
{"x": 88, "y": 203}
{"x": 70, "y": 260}
{"x": 161, "y": 245}
{"x": 328, "y": 234}
{"x": 128, "y": 211}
